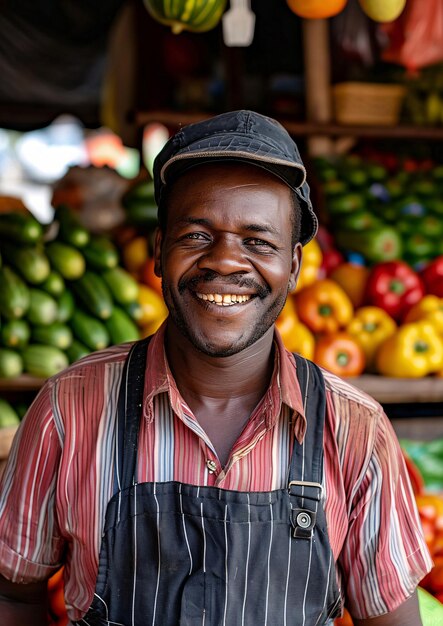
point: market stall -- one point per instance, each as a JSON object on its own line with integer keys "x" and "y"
{"x": 369, "y": 302}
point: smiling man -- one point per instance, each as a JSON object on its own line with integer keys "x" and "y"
{"x": 206, "y": 476}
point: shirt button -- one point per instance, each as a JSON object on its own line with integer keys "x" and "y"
{"x": 211, "y": 465}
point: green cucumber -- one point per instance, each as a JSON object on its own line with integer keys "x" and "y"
{"x": 30, "y": 262}
{"x": 134, "y": 310}
{"x": 56, "y": 334}
{"x": 94, "y": 295}
{"x": 14, "y": 294}
{"x": 11, "y": 363}
{"x": 54, "y": 284}
{"x": 42, "y": 308}
{"x": 76, "y": 351}
{"x": 44, "y": 361}
{"x": 121, "y": 328}
{"x": 66, "y": 260}
{"x": 142, "y": 213}
{"x": 89, "y": 330}
{"x": 66, "y": 306}
{"x": 15, "y": 333}
{"x": 377, "y": 245}
{"x": 100, "y": 253}
{"x": 71, "y": 230}
{"x": 123, "y": 287}
{"x": 20, "y": 227}
{"x": 8, "y": 416}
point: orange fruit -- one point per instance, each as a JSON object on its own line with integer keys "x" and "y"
{"x": 316, "y": 9}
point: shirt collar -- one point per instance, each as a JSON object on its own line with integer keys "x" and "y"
{"x": 283, "y": 388}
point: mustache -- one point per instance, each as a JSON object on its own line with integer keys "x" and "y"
{"x": 233, "y": 279}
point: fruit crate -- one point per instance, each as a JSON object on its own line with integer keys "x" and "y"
{"x": 368, "y": 104}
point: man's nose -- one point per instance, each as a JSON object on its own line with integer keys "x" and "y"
{"x": 225, "y": 256}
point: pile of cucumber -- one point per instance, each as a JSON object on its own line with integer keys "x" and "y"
{"x": 62, "y": 296}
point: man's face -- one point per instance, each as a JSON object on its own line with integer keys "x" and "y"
{"x": 226, "y": 259}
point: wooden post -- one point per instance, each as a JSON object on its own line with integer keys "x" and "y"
{"x": 318, "y": 81}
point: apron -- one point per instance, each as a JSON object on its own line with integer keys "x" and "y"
{"x": 177, "y": 554}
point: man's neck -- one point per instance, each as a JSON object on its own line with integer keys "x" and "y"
{"x": 244, "y": 374}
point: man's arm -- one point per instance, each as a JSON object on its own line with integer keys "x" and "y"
{"x": 23, "y": 605}
{"x": 407, "y": 614}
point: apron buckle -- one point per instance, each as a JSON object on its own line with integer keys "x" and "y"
{"x": 303, "y": 521}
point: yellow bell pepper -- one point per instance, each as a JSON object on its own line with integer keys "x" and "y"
{"x": 429, "y": 308}
{"x": 154, "y": 309}
{"x": 310, "y": 266}
{"x": 371, "y": 326}
{"x": 414, "y": 351}
{"x": 295, "y": 335}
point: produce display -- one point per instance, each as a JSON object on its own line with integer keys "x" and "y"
{"x": 63, "y": 294}
{"x": 384, "y": 209}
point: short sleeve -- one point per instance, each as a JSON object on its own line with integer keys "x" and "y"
{"x": 385, "y": 555}
{"x": 30, "y": 542}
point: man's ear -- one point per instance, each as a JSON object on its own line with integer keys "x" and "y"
{"x": 295, "y": 266}
{"x": 158, "y": 240}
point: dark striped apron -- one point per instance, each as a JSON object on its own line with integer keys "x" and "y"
{"x": 176, "y": 554}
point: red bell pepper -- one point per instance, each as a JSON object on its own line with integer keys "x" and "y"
{"x": 394, "y": 287}
{"x": 432, "y": 276}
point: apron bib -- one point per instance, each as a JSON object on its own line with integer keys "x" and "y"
{"x": 177, "y": 554}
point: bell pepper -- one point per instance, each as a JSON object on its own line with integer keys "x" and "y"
{"x": 340, "y": 353}
{"x": 295, "y": 335}
{"x": 324, "y": 307}
{"x": 414, "y": 351}
{"x": 429, "y": 308}
{"x": 432, "y": 276}
{"x": 394, "y": 287}
{"x": 371, "y": 326}
{"x": 153, "y": 308}
{"x": 311, "y": 263}
{"x": 352, "y": 277}
{"x": 332, "y": 258}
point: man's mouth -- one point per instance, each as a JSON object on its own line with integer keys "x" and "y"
{"x": 225, "y": 299}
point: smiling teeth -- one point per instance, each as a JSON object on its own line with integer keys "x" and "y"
{"x": 225, "y": 299}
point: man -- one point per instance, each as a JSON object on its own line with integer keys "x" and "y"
{"x": 206, "y": 476}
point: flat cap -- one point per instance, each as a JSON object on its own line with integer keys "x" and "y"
{"x": 244, "y": 136}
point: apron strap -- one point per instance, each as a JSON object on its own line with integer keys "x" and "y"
{"x": 129, "y": 409}
{"x": 306, "y": 467}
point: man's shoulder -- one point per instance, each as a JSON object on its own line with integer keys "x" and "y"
{"x": 346, "y": 392}
{"x": 95, "y": 363}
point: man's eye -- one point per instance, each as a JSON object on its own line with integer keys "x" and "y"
{"x": 253, "y": 241}
{"x": 195, "y": 236}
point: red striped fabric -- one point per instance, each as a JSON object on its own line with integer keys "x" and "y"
{"x": 60, "y": 475}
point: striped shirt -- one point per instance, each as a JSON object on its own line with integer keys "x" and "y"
{"x": 60, "y": 475}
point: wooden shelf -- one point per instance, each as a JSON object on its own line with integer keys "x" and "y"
{"x": 400, "y": 390}
{"x": 385, "y": 390}
{"x": 22, "y": 383}
{"x": 176, "y": 119}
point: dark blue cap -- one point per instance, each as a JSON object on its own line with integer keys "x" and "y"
{"x": 238, "y": 136}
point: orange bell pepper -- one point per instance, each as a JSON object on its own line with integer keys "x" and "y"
{"x": 429, "y": 308}
{"x": 371, "y": 326}
{"x": 310, "y": 267}
{"x": 340, "y": 353}
{"x": 352, "y": 278}
{"x": 324, "y": 307}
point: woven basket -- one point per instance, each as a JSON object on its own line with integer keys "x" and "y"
{"x": 368, "y": 104}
